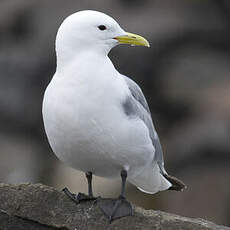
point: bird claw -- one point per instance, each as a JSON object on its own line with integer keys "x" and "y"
{"x": 115, "y": 208}
{"x": 79, "y": 197}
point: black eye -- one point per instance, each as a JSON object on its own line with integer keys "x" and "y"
{"x": 102, "y": 27}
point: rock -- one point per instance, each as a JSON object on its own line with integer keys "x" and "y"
{"x": 36, "y": 206}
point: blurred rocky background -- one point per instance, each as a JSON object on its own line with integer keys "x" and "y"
{"x": 185, "y": 77}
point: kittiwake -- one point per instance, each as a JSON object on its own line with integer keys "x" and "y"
{"x": 96, "y": 119}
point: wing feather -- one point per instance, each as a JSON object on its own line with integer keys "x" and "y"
{"x": 137, "y": 106}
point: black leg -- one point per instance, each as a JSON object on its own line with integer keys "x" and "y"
{"x": 81, "y": 196}
{"x": 123, "y": 179}
{"x": 89, "y": 177}
{"x": 116, "y": 208}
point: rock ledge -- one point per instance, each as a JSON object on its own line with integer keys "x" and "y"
{"x": 36, "y": 206}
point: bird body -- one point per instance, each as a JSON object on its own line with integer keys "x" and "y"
{"x": 95, "y": 133}
{"x": 88, "y": 128}
{"x": 96, "y": 119}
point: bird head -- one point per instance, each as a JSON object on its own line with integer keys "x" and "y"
{"x": 91, "y": 30}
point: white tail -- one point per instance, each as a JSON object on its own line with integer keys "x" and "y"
{"x": 151, "y": 180}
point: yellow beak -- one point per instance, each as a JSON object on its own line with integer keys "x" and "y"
{"x": 132, "y": 39}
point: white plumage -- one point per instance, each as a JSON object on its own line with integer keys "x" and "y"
{"x": 84, "y": 111}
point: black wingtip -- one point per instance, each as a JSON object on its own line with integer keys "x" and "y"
{"x": 177, "y": 184}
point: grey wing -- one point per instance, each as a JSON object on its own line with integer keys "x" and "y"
{"x": 136, "y": 105}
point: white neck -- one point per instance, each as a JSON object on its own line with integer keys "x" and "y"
{"x": 74, "y": 64}
{"x": 68, "y": 50}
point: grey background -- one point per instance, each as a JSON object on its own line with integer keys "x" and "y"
{"x": 185, "y": 77}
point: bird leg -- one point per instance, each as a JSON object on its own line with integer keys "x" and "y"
{"x": 116, "y": 208}
{"x": 81, "y": 196}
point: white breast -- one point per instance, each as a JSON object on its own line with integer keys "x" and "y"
{"x": 87, "y": 128}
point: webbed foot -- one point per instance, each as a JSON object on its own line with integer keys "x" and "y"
{"x": 115, "y": 208}
{"x": 79, "y": 197}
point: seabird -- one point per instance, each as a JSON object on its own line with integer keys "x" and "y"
{"x": 96, "y": 119}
